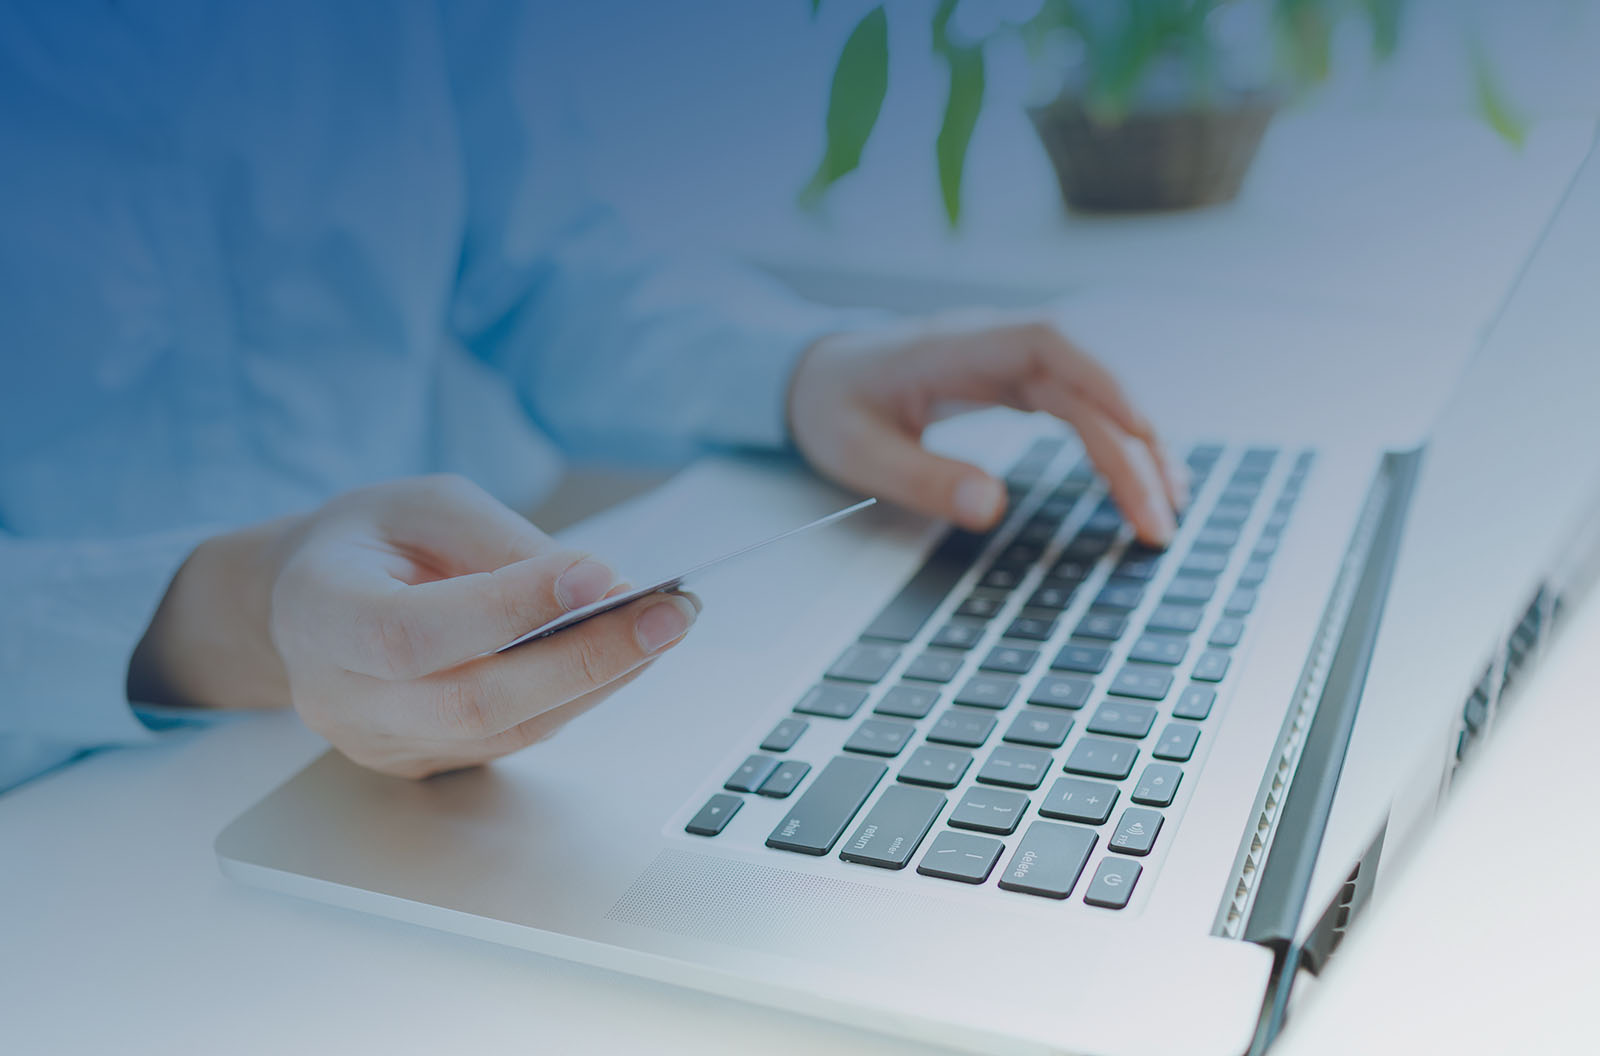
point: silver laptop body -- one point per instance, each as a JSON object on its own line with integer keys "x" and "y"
{"x": 1303, "y": 728}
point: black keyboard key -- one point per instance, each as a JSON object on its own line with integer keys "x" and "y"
{"x": 1157, "y": 785}
{"x": 1174, "y": 619}
{"x": 1042, "y": 528}
{"x": 987, "y": 691}
{"x": 1088, "y": 659}
{"x": 1253, "y": 573}
{"x": 712, "y": 818}
{"x": 981, "y": 606}
{"x": 936, "y": 767}
{"x": 934, "y": 666}
{"x": 895, "y": 826}
{"x": 1189, "y": 590}
{"x": 1211, "y": 667}
{"x": 1203, "y": 563}
{"x": 958, "y": 634}
{"x": 1216, "y": 538}
{"x": 1227, "y": 632}
{"x": 818, "y": 818}
{"x": 1119, "y": 596}
{"x": 1194, "y": 702}
{"x": 1043, "y": 729}
{"x": 1140, "y": 567}
{"x": 989, "y": 810}
{"x": 1054, "y": 595}
{"x": 1010, "y": 660}
{"x": 1049, "y": 860}
{"x": 908, "y": 610}
{"x": 907, "y": 702}
{"x": 884, "y": 737}
{"x": 1120, "y": 719}
{"x": 1086, "y": 549}
{"x": 831, "y": 701}
{"x": 1019, "y": 555}
{"x": 754, "y": 770}
{"x": 1070, "y": 572}
{"x": 864, "y": 662}
{"x": 1240, "y": 602}
{"x": 1229, "y": 514}
{"x": 963, "y": 727}
{"x": 1098, "y": 757}
{"x": 1031, "y": 628}
{"x": 1258, "y": 458}
{"x": 1015, "y": 768}
{"x": 784, "y": 734}
{"x": 1001, "y": 578}
{"x": 1266, "y": 546}
{"x": 1159, "y": 649}
{"x": 961, "y": 856}
{"x": 1061, "y": 691}
{"x": 1073, "y": 799}
{"x": 785, "y": 779}
{"x": 1113, "y": 882}
{"x": 1145, "y": 683}
{"x": 1177, "y": 742}
{"x": 1105, "y": 625}
{"x": 1136, "y": 831}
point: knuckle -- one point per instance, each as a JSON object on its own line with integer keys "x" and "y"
{"x": 592, "y": 661}
{"x": 465, "y": 708}
{"x": 397, "y": 643}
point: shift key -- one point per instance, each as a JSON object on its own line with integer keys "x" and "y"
{"x": 814, "y": 824}
{"x": 893, "y": 828}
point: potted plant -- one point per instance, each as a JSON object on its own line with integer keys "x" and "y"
{"x": 1155, "y": 104}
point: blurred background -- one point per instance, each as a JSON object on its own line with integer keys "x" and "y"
{"x": 1385, "y": 162}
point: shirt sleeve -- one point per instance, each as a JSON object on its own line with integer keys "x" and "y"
{"x": 74, "y": 612}
{"x": 615, "y": 350}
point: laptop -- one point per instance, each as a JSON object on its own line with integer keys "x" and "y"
{"x": 1041, "y": 789}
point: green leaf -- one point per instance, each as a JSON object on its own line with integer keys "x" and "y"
{"x": 1385, "y": 18}
{"x": 860, "y": 81}
{"x": 961, "y": 111}
{"x": 816, "y": 5}
{"x": 1492, "y": 103}
{"x": 961, "y": 108}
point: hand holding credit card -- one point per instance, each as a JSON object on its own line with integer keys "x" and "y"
{"x": 677, "y": 582}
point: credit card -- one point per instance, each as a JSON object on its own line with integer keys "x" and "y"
{"x": 678, "y": 581}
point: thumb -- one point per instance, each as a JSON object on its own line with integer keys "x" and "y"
{"x": 897, "y": 467}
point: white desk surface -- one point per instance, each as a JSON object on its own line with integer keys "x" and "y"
{"x": 117, "y": 933}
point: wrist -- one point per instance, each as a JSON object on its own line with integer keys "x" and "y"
{"x": 209, "y": 644}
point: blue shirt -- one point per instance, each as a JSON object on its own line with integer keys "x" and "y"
{"x": 254, "y": 254}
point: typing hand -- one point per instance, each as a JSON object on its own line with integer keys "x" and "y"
{"x": 859, "y": 402}
{"x": 372, "y": 615}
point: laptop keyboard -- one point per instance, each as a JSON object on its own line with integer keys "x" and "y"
{"x": 1048, "y": 709}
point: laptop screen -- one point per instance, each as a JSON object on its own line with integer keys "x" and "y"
{"x": 1511, "y": 471}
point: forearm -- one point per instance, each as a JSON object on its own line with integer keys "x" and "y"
{"x": 209, "y": 643}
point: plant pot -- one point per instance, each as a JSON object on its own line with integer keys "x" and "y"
{"x": 1172, "y": 159}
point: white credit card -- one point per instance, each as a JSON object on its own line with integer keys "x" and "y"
{"x": 676, "y": 582}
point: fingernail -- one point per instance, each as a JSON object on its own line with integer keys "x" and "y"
{"x": 1162, "y": 520}
{"x": 584, "y": 584}
{"x": 664, "y": 623}
{"x": 978, "y": 500}
{"x": 1182, "y": 484}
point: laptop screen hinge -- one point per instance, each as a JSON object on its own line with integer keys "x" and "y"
{"x": 1273, "y": 876}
